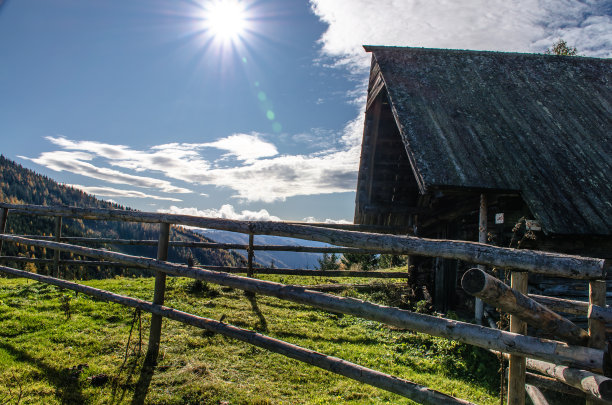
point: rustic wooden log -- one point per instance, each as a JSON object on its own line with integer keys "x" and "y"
{"x": 535, "y": 395}
{"x": 18, "y": 259}
{"x": 597, "y": 328}
{"x": 482, "y": 238}
{"x": 551, "y": 384}
{"x": 305, "y": 272}
{"x": 3, "y": 218}
{"x": 543, "y": 349}
{"x": 552, "y": 264}
{"x": 496, "y": 293}
{"x": 335, "y": 365}
{"x": 57, "y": 237}
{"x": 386, "y": 229}
{"x": 158, "y": 296}
{"x": 250, "y": 255}
{"x": 356, "y": 287}
{"x": 516, "y": 364}
{"x": 573, "y": 307}
{"x": 590, "y": 383}
{"x": 600, "y": 313}
{"x": 206, "y": 245}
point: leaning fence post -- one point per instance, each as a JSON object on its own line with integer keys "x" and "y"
{"x": 3, "y": 217}
{"x": 158, "y": 294}
{"x": 516, "y": 367}
{"x": 597, "y": 328}
{"x": 57, "y": 238}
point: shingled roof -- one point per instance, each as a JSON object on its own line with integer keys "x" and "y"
{"x": 537, "y": 124}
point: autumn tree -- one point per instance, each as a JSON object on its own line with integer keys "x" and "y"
{"x": 561, "y": 48}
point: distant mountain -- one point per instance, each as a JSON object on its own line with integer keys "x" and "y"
{"x": 290, "y": 260}
{"x": 19, "y": 185}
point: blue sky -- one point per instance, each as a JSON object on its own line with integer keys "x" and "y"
{"x": 161, "y": 106}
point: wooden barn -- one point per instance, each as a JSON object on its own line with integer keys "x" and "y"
{"x": 453, "y": 138}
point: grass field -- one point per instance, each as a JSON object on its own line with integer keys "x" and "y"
{"x": 57, "y": 347}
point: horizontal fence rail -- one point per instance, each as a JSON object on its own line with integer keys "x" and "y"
{"x": 226, "y": 269}
{"x": 306, "y": 272}
{"x": 207, "y": 245}
{"x": 495, "y": 339}
{"x": 356, "y": 372}
{"x": 551, "y": 264}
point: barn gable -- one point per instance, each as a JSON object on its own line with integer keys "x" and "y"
{"x": 443, "y": 121}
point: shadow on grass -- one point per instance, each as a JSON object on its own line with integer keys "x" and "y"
{"x": 363, "y": 340}
{"x": 263, "y": 324}
{"x": 64, "y": 380}
{"x": 146, "y": 375}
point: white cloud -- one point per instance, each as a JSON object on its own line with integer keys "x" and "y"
{"x": 226, "y": 211}
{"x": 502, "y": 25}
{"x": 75, "y": 162}
{"x": 115, "y": 192}
{"x": 326, "y": 221}
{"x": 257, "y": 176}
{"x": 245, "y": 147}
{"x": 291, "y": 175}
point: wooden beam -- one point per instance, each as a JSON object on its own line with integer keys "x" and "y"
{"x": 496, "y": 293}
{"x": 516, "y": 365}
{"x": 552, "y": 264}
{"x": 552, "y": 384}
{"x": 600, "y": 313}
{"x": 513, "y": 343}
{"x": 304, "y": 272}
{"x": 250, "y": 255}
{"x": 57, "y": 237}
{"x": 595, "y": 385}
{"x": 393, "y": 209}
{"x": 573, "y": 307}
{"x": 158, "y": 295}
{"x": 482, "y": 238}
{"x": 597, "y": 328}
{"x": 373, "y": 144}
{"x": 3, "y": 218}
{"x": 535, "y": 395}
{"x": 205, "y": 245}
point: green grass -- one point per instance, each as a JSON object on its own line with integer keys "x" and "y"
{"x": 41, "y": 349}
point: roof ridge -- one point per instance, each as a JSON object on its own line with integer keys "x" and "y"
{"x": 373, "y": 48}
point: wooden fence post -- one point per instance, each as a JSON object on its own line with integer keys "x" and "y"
{"x": 597, "y": 328}
{"x": 158, "y": 294}
{"x": 482, "y": 238}
{"x": 3, "y": 217}
{"x": 57, "y": 237}
{"x": 250, "y": 255}
{"x": 516, "y": 367}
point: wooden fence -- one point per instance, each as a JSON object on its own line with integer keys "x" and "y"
{"x": 574, "y": 359}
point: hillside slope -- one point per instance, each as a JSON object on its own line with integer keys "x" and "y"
{"x": 19, "y": 185}
{"x": 291, "y": 260}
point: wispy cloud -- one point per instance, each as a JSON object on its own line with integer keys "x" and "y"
{"x": 258, "y": 172}
{"x": 76, "y": 162}
{"x": 115, "y": 192}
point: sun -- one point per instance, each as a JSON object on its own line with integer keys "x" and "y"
{"x": 226, "y": 19}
